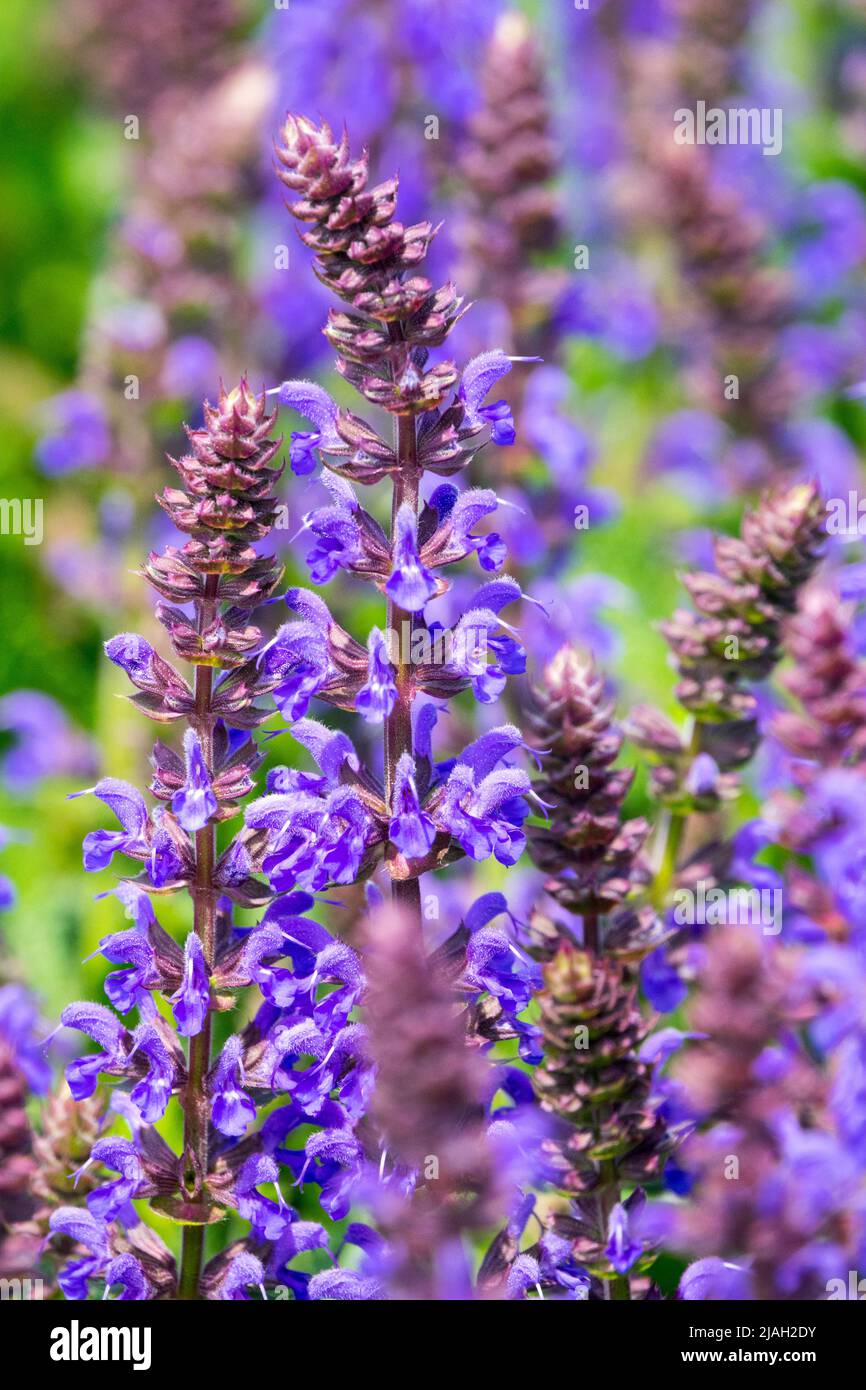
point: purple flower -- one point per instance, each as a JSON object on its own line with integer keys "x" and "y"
{"x": 479, "y": 377}
{"x": 232, "y": 1110}
{"x": 45, "y": 744}
{"x": 106, "y": 1030}
{"x": 268, "y": 1219}
{"x": 127, "y": 803}
{"x": 113, "y": 1199}
{"x": 126, "y": 1271}
{"x": 302, "y": 451}
{"x": 703, "y": 775}
{"x": 195, "y": 803}
{"x": 410, "y": 584}
{"x": 152, "y": 1094}
{"x": 314, "y": 403}
{"x": 499, "y": 416}
{"x": 244, "y": 1272}
{"x": 298, "y": 654}
{"x": 662, "y": 983}
{"x": 486, "y": 817}
{"x": 192, "y": 1000}
{"x": 133, "y": 654}
{"x": 124, "y": 988}
{"x": 84, "y": 1229}
{"x": 375, "y": 700}
{"x": 21, "y": 1029}
{"x": 410, "y": 829}
{"x": 715, "y": 1279}
{"x": 78, "y": 434}
{"x": 622, "y": 1249}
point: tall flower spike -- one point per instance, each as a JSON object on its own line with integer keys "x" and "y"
{"x": 591, "y": 1076}
{"x": 763, "y": 1102}
{"x": 311, "y": 830}
{"x": 508, "y": 168}
{"x": 733, "y": 640}
{"x": 394, "y": 317}
{"x": 428, "y": 1107}
{"x": 226, "y": 505}
{"x": 593, "y": 857}
{"x": 828, "y": 679}
{"x": 369, "y": 259}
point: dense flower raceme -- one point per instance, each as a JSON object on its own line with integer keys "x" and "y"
{"x": 595, "y": 1077}
{"x": 170, "y": 306}
{"x": 514, "y": 263}
{"x": 309, "y": 830}
{"x": 23, "y": 1073}
{"x": 761, "y": 341}
{"x": 407, "y": 84}
{"x": 720, "y": 652}
{"x": 790, "y": 1115}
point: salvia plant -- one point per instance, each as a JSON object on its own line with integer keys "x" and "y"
{"x": 298, "y": 1086}
{"x": 310, "y": 830}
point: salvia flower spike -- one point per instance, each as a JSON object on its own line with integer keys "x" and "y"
{"x": 309, "y": 831}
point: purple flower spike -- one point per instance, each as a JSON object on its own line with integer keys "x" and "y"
{"x": 195, "y": 803}
{"x": 410, "y": 584}
{"x": 190, "y": 1003}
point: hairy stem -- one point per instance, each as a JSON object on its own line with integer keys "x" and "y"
{"x": 398, "y": 724}
{"x": 204, "y": 896}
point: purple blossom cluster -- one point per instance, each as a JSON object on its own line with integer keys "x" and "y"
{"x": 541, "y": 1098}
{"x": 311, "y": 830}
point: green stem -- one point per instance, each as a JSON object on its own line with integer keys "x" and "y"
{"x": 670, "y": 838}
